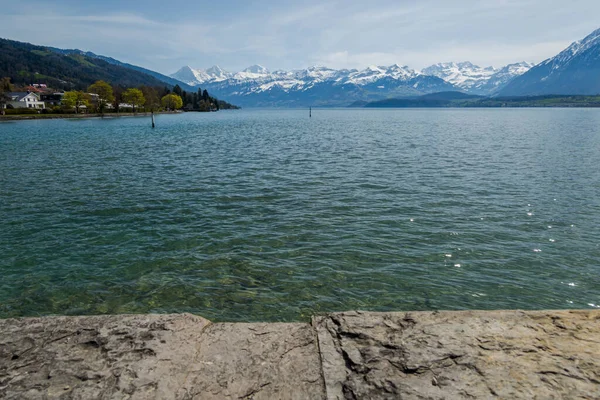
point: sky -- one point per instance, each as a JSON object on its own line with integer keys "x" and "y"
{"x": 279, "y": 34}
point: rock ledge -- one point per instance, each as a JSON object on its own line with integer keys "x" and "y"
{"x": 352, "y": 355}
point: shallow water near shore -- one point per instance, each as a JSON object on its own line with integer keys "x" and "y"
{"x": 267, "y": 215}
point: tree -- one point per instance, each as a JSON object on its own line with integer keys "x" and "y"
{"x": 5, "y": 88}
{"x": 151, "y": 96}
{"x": 75, "y": 99}
{"x": 104, "y": 92}
{"x": 135, "y": 97}
{"x": 118, "y": 95}
{"x": 177, "y": 90}
{"x": 5, "y": 85}
{"x": 195, "y": 101}
{"x": 172, "y": 102}
{"x": 204, "y": 105}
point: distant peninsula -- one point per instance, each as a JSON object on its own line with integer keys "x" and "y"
{"x": 463, "y": 100}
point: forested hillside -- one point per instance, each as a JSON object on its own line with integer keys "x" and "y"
{"x": 25, "y": 64}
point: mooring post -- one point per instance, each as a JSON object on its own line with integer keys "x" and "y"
{"x": 153, "y": 119}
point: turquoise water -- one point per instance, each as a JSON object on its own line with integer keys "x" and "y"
{"x": 269, "y": 215}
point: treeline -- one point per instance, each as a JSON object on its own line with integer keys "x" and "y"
{"x": 201, "y": 101}
{"x": 102, "y": 97}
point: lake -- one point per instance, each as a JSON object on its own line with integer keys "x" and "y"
{"x": 267, "y": 215}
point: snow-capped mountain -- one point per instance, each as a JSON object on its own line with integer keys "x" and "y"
{"x": 254, "y": 72}
{"x": 257, "y": 86}
{"x": 375, "y": 73}
{"x": 574, "y": 70}
{"x": 463, "y": 74}
{"x": 318, "y": 85}
{"x": 503, "y": 76}
{"x": 475, "y": 79}
{"x": 195, "y": 77}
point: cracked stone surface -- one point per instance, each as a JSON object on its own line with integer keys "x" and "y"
{"x": 457, "y": 355}
{"x": 353, "y": 355}
{"x": 156, "y": 357}
{"x": 257, "y": 361}
{"x": 98, "y": 357}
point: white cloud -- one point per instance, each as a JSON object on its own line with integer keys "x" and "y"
{"x": 338, "y": 34}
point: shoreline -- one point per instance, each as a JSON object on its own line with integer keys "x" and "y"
{"x": 350, "y": 355}
{"x": 29, "y": 117}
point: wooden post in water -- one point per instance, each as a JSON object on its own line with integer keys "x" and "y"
{"x": 309, "y": 112}
{"x": 153, "y": 119}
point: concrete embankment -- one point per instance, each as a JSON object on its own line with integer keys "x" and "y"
{"x": 353, "y": 355}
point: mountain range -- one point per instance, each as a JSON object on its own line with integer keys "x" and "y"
{"x": 318, "y": 85}
{"x": 574, "y": 71}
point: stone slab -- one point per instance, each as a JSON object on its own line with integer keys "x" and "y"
{"x": 97, "y": 357}
{"x": 353, "y": 355}
{"x": 257, "y": 361}
{"x": 457, "y": 355}
{"x": 156, "y": 357}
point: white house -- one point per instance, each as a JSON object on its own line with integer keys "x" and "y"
{"x": 24, "y": 100}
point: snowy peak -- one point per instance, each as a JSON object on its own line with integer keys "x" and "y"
{"x": 475, "y": 79}
{"x": 196, "y": 77}
{"x": 316, "y": 73}
{"x": 515, "y": 69}
{"x": 374, "y": 73}
{"x": 401, "y": 72}
{"x": 573, "y": 71}
{"x": 575, "y": 49}
{"x": 504, "y": 75}
{"x": 591, "y": 40}
{"x": 217, "y": 73}
{"x": 256, "y": 69}
{"x": 253, "y": 73}
{"x": 186, "y": 75}
{"x": 463, "y": 74}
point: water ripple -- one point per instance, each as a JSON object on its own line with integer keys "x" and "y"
{"x": 267, "y": 215}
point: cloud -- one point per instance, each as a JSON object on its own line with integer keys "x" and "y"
{"x": 286, "y": 35}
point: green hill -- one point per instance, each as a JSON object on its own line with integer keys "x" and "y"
{"x": 163, "y": 78}
{"x": 25, "y": 64}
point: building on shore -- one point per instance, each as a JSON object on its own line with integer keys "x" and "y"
{"x": 52, "y": 99}
{"x": 24, "y": 100}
